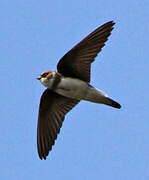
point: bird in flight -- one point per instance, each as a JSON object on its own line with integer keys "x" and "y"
{"x": 67, "y": 87}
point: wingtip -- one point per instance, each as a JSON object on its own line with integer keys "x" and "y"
{"x": 42, "y": 156}
{"x": 111, "y": 22}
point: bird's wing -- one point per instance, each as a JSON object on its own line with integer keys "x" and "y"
{"x": 76, "y": 63}
{"x": 52, "y": 110}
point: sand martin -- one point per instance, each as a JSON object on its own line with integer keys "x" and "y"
{"x": 67, "y": 87}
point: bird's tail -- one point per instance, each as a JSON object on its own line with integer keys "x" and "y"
{"x": 97, "y": 96}
{"x": 110, "y": 102}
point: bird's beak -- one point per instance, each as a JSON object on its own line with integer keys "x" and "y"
{"x": 38, "y": 78}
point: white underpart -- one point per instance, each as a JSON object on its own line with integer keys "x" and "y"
{"x": 72, "y": 88}
{"x": 78, "y": 89}
{"x": 47, "y": 83}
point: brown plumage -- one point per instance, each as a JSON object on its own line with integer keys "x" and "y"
{"x": 53, "y": 108}
{"x": 76, "y": 64}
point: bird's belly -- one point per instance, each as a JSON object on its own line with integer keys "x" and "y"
{"x": 72, "y": 88}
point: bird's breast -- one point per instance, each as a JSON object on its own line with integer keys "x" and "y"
{"x": 72, "y": 88}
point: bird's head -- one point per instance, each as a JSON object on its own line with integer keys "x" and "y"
{"x": 47, "y": 78}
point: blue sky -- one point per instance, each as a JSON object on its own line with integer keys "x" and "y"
{"x": 96, "y": 141}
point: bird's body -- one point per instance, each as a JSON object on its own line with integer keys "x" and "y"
{"x": 67, "y": 87}
{"x": 77, "y": 89}
{"x": 72, "y": 88}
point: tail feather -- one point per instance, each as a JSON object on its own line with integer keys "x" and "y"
{"x": 98, "y": 96}
{"x": 110, "y": 102}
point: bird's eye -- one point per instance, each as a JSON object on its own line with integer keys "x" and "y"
{"x": 45, "y": 74}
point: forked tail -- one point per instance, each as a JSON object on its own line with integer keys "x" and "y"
{"x": 97, "y": 96}
{"x": 110, "y": 102}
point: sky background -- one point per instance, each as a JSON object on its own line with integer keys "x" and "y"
{"x": 96, "y": 141}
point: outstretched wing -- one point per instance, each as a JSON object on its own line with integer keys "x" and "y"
{"x": 77, "y": 62}
{"x": 52, "y": 110}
